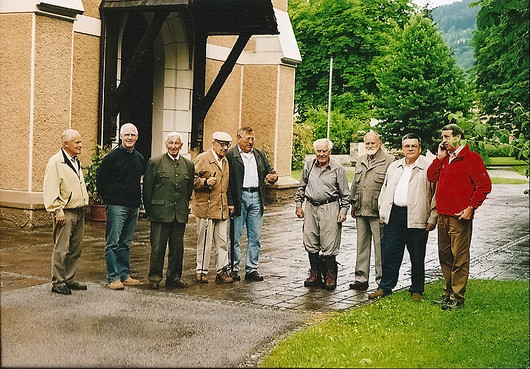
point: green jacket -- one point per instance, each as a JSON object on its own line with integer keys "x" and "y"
{"x": 167, "y": 189}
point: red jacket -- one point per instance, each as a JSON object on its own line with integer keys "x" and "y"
{"x": 461, "y": 183}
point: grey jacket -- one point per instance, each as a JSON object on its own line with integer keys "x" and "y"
{"x": 421, "y": 203}
{"x": 367, "y": 182}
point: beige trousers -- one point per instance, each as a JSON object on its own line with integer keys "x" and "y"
{"x": 217, "y": 238}
{"x": 322, "y": 232}
{"x": 68, "y": 244}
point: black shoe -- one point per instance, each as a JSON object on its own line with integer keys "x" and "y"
{"x": 154, "y": 285}
{"x": 253, "y": 276}
{"x": 361, "y": 286}
{"x": 235, "y": 276}
{"x": 441, "y": 301}
{"x": 62, "y": 289}
{"x": 176, "y": 284}
{"x": 77, "y": 286}
{"x": 453, "y": 305}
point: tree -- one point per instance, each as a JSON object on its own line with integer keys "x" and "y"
{"x": 350, "y": 31}
{"x": 418, "y": 83}
{"x": 502, "y": 67}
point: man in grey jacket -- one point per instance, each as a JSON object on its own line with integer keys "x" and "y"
{"x": 407, "y": 206}
{"x": 369, "y": 177}
{"x": 168, "y": 185}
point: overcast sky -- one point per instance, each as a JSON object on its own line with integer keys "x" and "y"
{"x": 434, "y": 3}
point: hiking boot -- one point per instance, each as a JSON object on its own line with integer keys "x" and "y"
{"x": 377, "y": 294}
{"x": 416, "y": 296}
{"x": 235, "y": 276}
{"x": 223, "y": 277}
{"x": 314, "y": 279}
{"x": 331, "y": 281}
{"x": 441, "y": 301}
{"x": 453, "y": 305}
{"x": 154, "y": 285}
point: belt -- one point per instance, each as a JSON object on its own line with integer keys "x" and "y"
{"x": 318, "y": 203}
{"x": 250, "y": 189}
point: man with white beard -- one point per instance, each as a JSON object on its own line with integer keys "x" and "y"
{"x": 369, "y": 177}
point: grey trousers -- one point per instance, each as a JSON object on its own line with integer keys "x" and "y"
{"x": 68, "y": 244}
{"x": 322, "y": 232}
{"x": 368, "y": 229}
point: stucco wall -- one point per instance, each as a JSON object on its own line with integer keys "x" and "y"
{"x": 225, "y": 111}
{"x": 53, "y": 61}
{"x": 15, "y": 72}
{"x": 85, "y": 90}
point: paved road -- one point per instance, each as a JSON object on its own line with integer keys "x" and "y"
{"x": 207, "y": 325}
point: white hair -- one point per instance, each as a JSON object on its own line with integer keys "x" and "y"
{"x": 324, "y": 141}
{"x": 173, "y": 134}
{"x": 128, "y": 125}
{"x": 69, "y": 134}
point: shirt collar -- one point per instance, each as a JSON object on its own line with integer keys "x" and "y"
{"x": 172, "y": 158}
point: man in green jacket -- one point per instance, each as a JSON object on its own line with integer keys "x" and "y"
{"x": 168, "y": 185}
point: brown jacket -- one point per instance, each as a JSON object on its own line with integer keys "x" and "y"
{"x": 205, "y": 167}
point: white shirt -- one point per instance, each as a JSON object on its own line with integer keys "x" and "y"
{"x": 455, "y": 154}
{"x": 250, "y": 179}
{"x": 74, "y": 162}
{"x": 402, "y": 189}
{"x": 174, "y": 158}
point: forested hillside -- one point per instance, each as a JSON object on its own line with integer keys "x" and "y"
{"x": 457, "y": 21}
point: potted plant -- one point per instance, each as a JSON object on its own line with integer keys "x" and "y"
{"x": 97, "y": 207}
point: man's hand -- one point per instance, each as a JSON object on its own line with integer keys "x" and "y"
{"x": 341, "y": 218}
{"x": 60, "y": 220}
{"x": 299, "y": 213}
{"x": 231, "y": 209}
{"x": 272, "y": 177}
{"x": 442, "y": 151}
{"x": 430, "y": 227}
{"x": 352, "y": 211}
{"x": 467, "y": 213}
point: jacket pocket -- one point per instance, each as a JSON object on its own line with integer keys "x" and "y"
{"x": 158, "y": 202}
{"x": 379, "y": 178}
{"x": 163, "y": 175}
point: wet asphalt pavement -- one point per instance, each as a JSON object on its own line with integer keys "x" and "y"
{"x": 213, "y": 325}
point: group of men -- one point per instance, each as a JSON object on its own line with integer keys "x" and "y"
{"x": 396, "y": 203}
{"x": 219, "y": 183}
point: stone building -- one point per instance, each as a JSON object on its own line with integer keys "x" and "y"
{"x": 192, "y": 66}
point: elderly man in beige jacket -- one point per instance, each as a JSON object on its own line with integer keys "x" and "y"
{"x": 407, "y": 207}
{"x": 209, "y": 204}
{"x": 65, "y": 196}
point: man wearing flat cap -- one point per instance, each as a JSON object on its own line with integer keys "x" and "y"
{"x": 209, "y": 204}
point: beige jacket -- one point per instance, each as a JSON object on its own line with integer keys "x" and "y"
{"x": 62, "y": 188}
{"x": 421, "y": 206}
{"x": 205, "y": 167}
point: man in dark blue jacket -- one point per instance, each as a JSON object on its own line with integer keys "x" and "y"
{"x": 249, "y": 169}
{"x": 118, "y": 183}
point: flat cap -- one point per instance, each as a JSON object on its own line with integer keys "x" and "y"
{"x": 222, "y": 136}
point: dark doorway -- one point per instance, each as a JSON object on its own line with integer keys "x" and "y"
{"x": 138, "y": 101}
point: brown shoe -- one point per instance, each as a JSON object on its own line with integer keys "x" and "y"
{"x": 377, "y": 294}
{"x": 131, "y": 282}
{"x": 202, "y": 278}
{"x": 416, "y": 296}
{"x": 223, "y": 277}
{"x": 178, "y": 283}
{"x": 314, "y": 279}
{"x": 116, "y": 285}
{"x": 331, "y": 281}
{"x": 360, "y": 286}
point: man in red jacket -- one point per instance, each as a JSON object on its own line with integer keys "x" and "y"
{"x": 463, "y": 184}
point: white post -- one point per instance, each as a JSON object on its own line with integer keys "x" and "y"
{"x": 329, "y": 92}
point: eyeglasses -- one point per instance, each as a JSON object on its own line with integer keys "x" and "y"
{"x": 223, "y": 144}
{"x": 410, "y": 146}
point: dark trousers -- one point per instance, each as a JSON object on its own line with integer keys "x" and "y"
{"x": 396, "y": 235}
{"x": 161, "y": 233}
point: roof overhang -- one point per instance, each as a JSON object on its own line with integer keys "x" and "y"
{"x": 213, "y": 17}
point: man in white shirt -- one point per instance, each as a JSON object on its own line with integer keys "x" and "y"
{"x": 407, "y": 207}
{"x": 249, "y": 171}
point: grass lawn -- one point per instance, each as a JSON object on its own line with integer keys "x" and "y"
{"x": 396, "y": 332}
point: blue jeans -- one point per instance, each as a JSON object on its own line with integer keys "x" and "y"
{"x": 396, "y": 235}
{"x": 121, "y": 224}
{"x": 252, "y": 218}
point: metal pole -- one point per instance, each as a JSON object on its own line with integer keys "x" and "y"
{"x": 329, "y": 92}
